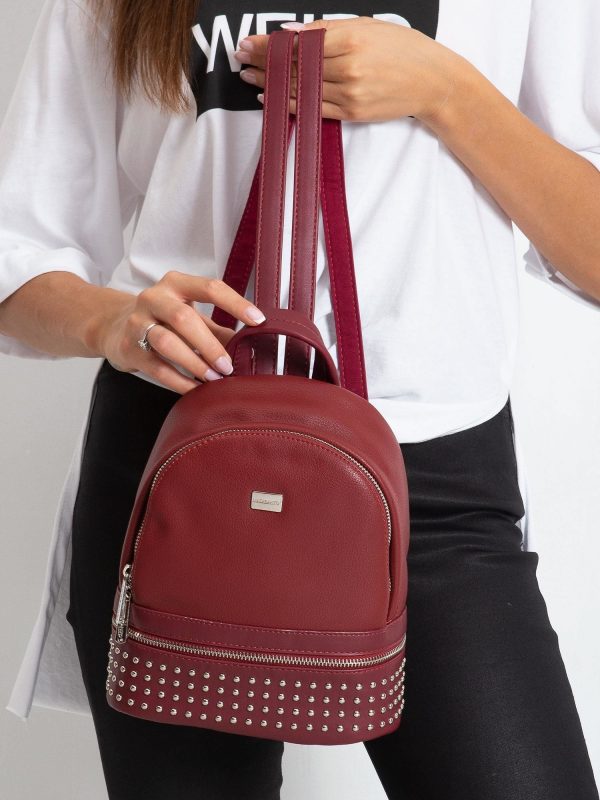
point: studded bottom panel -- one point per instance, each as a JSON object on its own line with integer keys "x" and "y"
{"x": 293, "y": 704}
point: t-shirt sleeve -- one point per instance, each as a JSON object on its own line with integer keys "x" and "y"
{"x": 560, "y": 92}
{"x": 64, "y": 200}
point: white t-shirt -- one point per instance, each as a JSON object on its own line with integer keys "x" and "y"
{"x": 434, "y": 253}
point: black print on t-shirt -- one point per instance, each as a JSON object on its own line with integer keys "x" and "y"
{"x": 220, "y": 26}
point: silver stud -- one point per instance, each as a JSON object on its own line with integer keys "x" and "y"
{"x": 371, "y": 699}
{"x": 177, "y": 670}
{"x": 206, "y": 675}
{"x": 130, "y": 702}
{"x": 328, "y": 686}
{"x": 297, "y": 684}
{"x": 265, "y": 695}
{"x": 148, "y": 664}
{"x": 358, "y": 687}
{"x": 175, "y": 697}
{"x": 203, "y": 716}
{"x": 324, "y": 728}
{"x": 370, "y": 726}
{"x": 190, "y": 686}
{"x": 279, "y": 724}
{"x": 371, "y": 712}
{"x": 191, "y": 673}
{"x": 125, "y": 655}
{"x": 220, "y": 704}
{"x": 175, "y": 683}
{"x": 173, "y": 712}
{"x": 295, "y": 711}
{"x": 235, "y": 705}
{"x": 383, "y": 681}
{"x": 161, "y": 694}
{"x": 263, "y": 723}
{"x": 343, "y": 686}
{"x": 311, "y": 712}
{"x": 133, "y": 673}
{"x": 121, "y": 683}
{"x": 383, "y": 695}
{"x": 355, "y": 728}
{"x": 294, "y": 726}
{"x": 205, "y": 688}
{"x": 383, "y": 709}
{"x": 248, "y": 721}
{"x": 280, "y": 710}
{"x": 146, "y": 691}
{"x": 309, "y": 727}
{"x": 250, "y": 693}
{"x": 295, "y": 697}
{"x": 218, "y": 718}
{"x": 357, "y": 701}
{"x": 205, "y": 701}
{"x": 159, "y": 709}
{"x": 341, "y": 713}
{"x": 220, "y": 690}
{"x": 265, "y": 709}
{"x": 325, "y": 699}
{"x": 110, "y": 691}
{"x": 326, "y": 713}
{"x": 313, "y": 685}
{"x": 235, "y": 692}
{"x": 122, "y": 669}
{"x": 311, "y": 699}
{"x": 341, "y": 700}
{"x": 117, "y": 649}
{"x": 161, "y": 680}
{"x": 163, "y": 667}
{"x": 233, "y": 720}
{"x": 390, "y": 720}
{"x": 382, "y": 724}
{"x": 188, "y": 714}
{"x": 144, "y": 706}
{"x": 267, "y": 681}
{"x": 372, "y": 684}
{"x": 357, "y": 713}
{"x": 132, "y": 688}
{"x": 147, "y": 678}
{"x": 236, "y": 678}
{"x": 222, "y": 676}
{"x": 340, "y": 728}
{"x": 281, "y": 696}
{"x": 282, "y": 683}
{"x": 250, "y": 708}
{"x": 251, "y": 680}
{"x": 190, "y": 699}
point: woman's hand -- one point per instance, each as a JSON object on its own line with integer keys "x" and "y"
{"x": 185, "y": 337}
{"x": 373, "y": 70}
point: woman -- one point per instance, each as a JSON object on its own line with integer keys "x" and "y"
{"x": 455, "y": 121}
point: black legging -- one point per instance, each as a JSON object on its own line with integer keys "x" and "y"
{"x": 489, "y": 710}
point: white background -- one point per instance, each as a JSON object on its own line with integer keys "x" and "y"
{"x": 556, "y": 404}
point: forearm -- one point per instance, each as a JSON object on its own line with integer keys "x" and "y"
{"x": 58, "y": 313}
{"x": 552, "y": 193}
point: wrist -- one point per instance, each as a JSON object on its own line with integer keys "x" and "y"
{"x": 109, "y": 306}
{"x": 453, "y": 80}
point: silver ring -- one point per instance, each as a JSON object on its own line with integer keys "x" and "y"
{"x": 143, "y": 342}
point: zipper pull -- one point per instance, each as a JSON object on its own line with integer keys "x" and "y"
{"x": 122, "y": 618}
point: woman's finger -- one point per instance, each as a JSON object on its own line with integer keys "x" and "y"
{"x": 188, "y": 325}
{"x": 169, "y": 345}
{"x": 164, "y": 373}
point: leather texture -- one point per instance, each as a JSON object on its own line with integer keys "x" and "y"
{"x": 305, "y": 602}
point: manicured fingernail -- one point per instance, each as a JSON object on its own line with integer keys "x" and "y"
{"x": 293, "y": 26}
{"x": 247, "y": 45}
{"x": 243, "y": 57}
{"x": 248, "y": 76}
{"x": 211, "y": 375}
{"x": 260, "y": 98}
{"x": 255, "y": 315}
{"x": 224, "y": 365}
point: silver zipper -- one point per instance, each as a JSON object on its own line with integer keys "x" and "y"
{"x": 269, "y": 658}
{"x": 363, "y": 469}
{"x": 122, "y": 615}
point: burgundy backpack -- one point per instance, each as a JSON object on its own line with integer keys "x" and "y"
{"x": 263, "y": 574}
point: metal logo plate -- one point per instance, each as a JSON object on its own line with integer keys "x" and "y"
{"x": 266, "y": 501}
